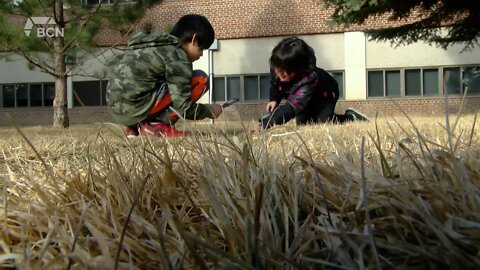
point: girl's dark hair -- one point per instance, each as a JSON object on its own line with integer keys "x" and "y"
{"x": 292, "y": 54}
{"x": 194, "y": 24}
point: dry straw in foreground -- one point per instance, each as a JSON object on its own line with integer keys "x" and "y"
{"x": 391, "y": 193}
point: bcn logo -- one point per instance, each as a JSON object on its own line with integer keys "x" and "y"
{"x": 43, "y": 31}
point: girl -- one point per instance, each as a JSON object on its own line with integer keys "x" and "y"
{"x": 311, "y": 93}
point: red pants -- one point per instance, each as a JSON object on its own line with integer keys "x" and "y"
{"x": 199, "y": 85}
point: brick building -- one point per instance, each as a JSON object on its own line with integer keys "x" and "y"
{"x": 372, "y": 75}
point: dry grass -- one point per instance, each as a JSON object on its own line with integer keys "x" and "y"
{"x": 391, "y": 193}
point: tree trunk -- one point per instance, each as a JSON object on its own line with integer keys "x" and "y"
{"x": 60, "y": 109}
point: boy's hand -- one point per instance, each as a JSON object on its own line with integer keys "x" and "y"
{"x": 216, "y": 110}
{"x": 271, "y": 106}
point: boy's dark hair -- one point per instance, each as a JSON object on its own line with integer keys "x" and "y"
{"x": 292, "y": 54}
{"x": 194, "y": 24}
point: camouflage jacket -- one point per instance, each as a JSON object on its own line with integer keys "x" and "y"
{"x": 149, "y": 60}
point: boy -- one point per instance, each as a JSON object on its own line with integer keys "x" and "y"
{"x": 152, "y": 83}
{"x": 311, "y": 92}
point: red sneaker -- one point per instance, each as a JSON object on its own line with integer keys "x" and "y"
{"x": 131, "y": 132}
{"x": 159, "y": 129}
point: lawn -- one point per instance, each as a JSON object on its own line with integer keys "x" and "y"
{"x": 390, "y": 193}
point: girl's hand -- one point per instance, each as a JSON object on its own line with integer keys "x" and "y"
{"x": 271, "y": 106}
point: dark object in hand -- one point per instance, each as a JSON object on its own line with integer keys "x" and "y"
{"x": 229, "y": 103}
{"x": 264, "y": 120}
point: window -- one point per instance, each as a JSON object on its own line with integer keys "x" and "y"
{"x": 104, "y": 84}
{"x": 27, "y": 95}
{"x": 15, "y": 95}
{"x": 384, "y": 83}
{"x": 21, "y": 92}
{"x": 430, "y": 82}
{"x": 105, "y": 2}
{"x": 250, "y": 88}
{"x": 452, "y": 81}
{"x": 338, "y": 76}
{"x": 265, "y": 87}
{"x": 251, "y": 84}
{"x": 375, "y": 84}
{"x": 233, "y": 88}
{"x": 424, "y": 81}
{"x": 48, "y": 94}
{"x": 9, "y": 96}
{"x": 218, "y": 91}
{"x": 86, "y": 93}
{"x": 403, "y": 82}
{"x": 471, "y": 80}
{"x": 413, "y": 83}
{"x": 16, "y": 3}
{"x": 392, "y": 83}
{"x": 90, "y": 2}
{"x": 36, "y": 95}
{"x": 89, "y": 93}
{"x": 457, "y": 80}
{"x": 245, "y": 88}
{"x": 420, "y": 82}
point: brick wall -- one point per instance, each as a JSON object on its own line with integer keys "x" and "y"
{"x": 370, "y": 107}
{"x": 249, "y": 111}
{"x": 247, "y": 19}
{"x": 241, "y": 19}
{"x": 253, "y": 18}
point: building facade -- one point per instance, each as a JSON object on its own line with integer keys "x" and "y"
{"x": 375, "y": 77}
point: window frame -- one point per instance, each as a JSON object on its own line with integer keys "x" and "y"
{"x": 109, "y": 2}
{"x": 14, "y": 96}
{"x": 42, "y": 100}
{"x": 259, "y": 84}
{"x": 44, "y": 89}
{"x": 102, "y": 89}
{"x": 242, "y": 87}
{"x": 342, "y": 89}
{"x": 477, "y": 79}
{"x": 441, "y": 80}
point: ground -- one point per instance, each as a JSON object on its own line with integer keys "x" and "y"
{"x": 394, "y": 191}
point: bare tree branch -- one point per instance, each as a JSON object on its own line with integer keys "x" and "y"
{"x": 43, "y": 67}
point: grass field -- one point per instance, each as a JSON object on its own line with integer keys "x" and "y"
{"x": 391, "y": 193}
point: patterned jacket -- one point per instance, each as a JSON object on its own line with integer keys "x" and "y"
{"x": 148, "y": 61}
{"x": 315, "y": 87}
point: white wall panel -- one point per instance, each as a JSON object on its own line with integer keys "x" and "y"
{"x": 14, "y": 69}
{"x": 386, "y": 55}
{"x": 355, "y": 62}
{"x": 250, "y": 56}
